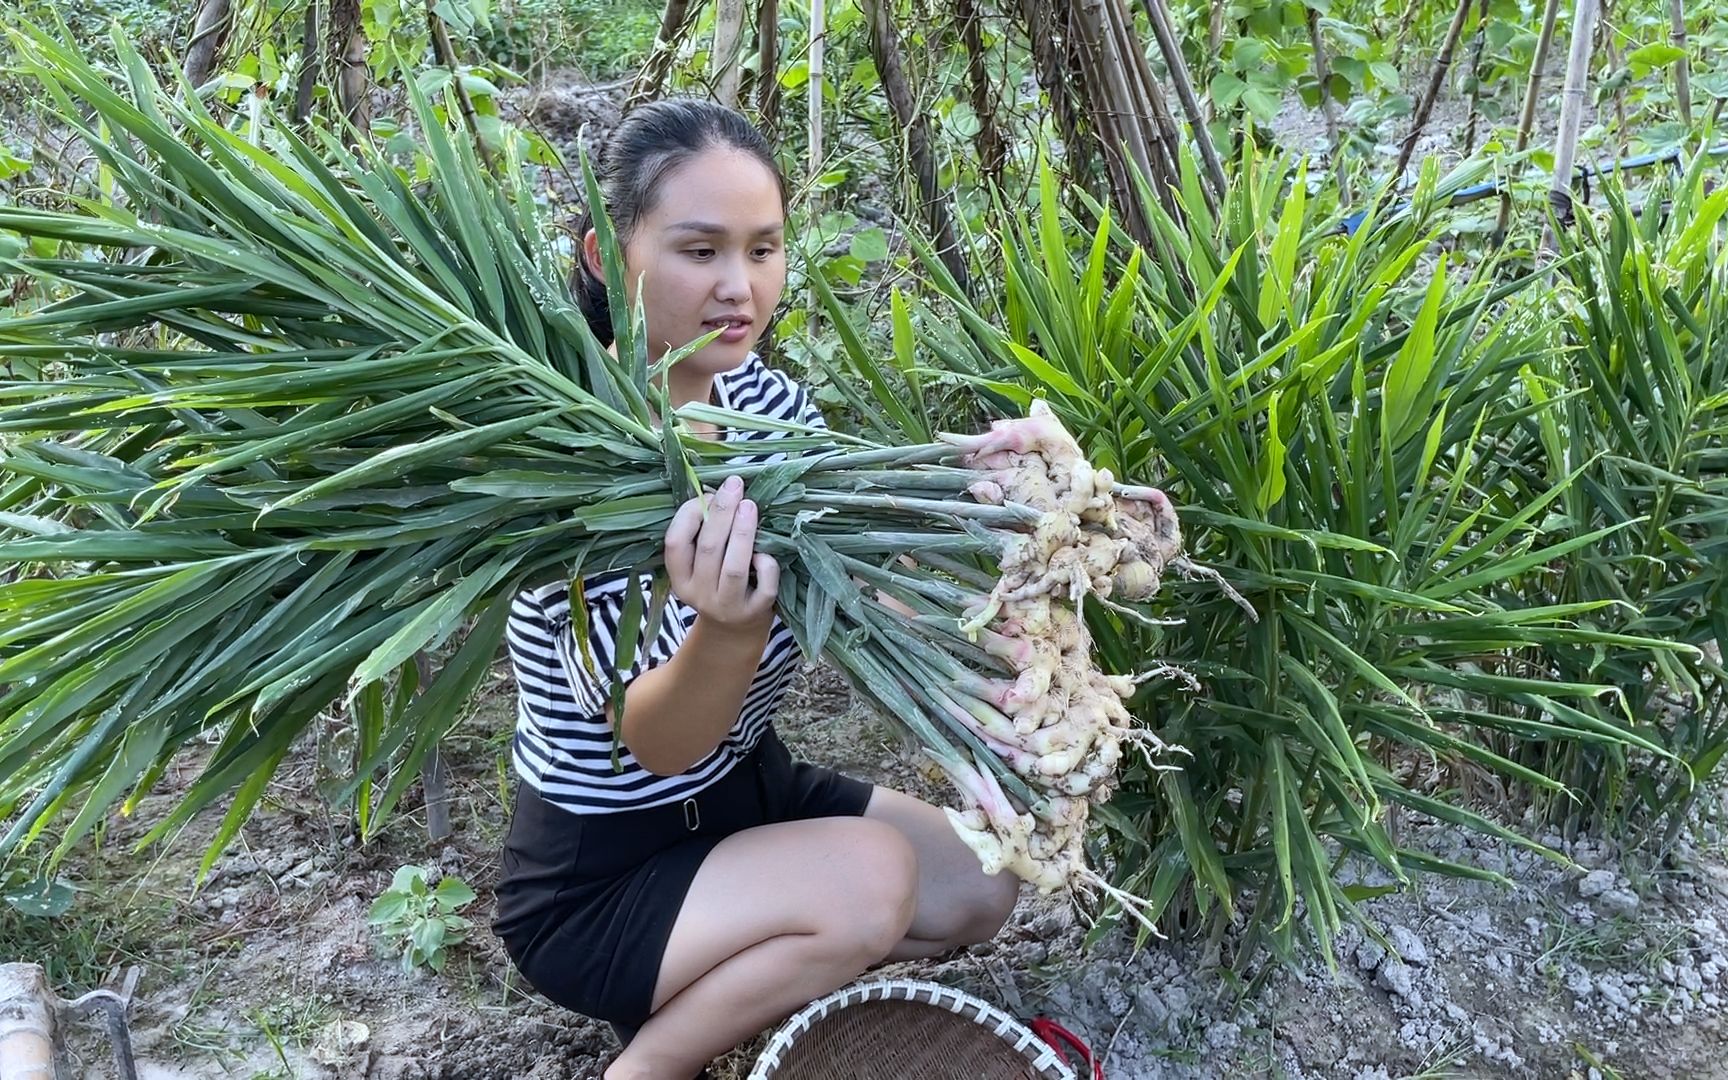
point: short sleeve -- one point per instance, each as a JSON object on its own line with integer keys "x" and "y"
{"x": 594, "y": 677}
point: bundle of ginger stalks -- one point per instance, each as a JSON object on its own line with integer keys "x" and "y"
{"x": 290, "y": 422}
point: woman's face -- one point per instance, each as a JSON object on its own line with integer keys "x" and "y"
{"x": 710, "y": 251}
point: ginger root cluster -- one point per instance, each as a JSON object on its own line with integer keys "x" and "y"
{"x": 1058, "y": 721}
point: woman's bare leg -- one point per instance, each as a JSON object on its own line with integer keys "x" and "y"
{"x": 958, "y": 904}
{"x": 777, "y": 916}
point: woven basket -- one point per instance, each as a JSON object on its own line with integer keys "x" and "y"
{"x": 905, "y": 1029}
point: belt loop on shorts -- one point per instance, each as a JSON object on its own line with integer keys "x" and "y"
{"x": 692, "y": 815}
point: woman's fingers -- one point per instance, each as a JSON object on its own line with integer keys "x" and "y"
{"x": 716, "y": 532}
{"x": 681, "y": 539}
{"x": 734, "y": 579}
{"x": 709, "y": 556}
{"x": 767, "y": 584}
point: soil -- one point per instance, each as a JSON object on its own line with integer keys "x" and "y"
{"x": 270, "y": 970}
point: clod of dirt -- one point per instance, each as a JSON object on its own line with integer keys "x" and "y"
{"x": 1595, "y": 883}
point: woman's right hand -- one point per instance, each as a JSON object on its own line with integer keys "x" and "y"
{"x": 708, "y": 561}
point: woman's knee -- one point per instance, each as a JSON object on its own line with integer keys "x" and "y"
{"x": 880, "y": 893}
{"x": 989, "y": 907}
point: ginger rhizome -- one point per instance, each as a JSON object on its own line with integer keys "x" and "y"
{"x": 1056, "y": 719}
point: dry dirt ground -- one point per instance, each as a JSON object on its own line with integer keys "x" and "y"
{"x": 271, "y": 971}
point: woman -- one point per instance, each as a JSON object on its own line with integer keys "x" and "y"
{"x": 712, "y": 885}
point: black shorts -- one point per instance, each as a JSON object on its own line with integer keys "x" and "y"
{"x": 587, "y": 901}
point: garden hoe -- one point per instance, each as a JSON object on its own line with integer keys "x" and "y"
{"x": 33, "y": 1021}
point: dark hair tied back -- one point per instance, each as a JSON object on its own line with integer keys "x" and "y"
{"x": 651, "y": 142}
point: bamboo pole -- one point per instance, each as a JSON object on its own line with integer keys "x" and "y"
{"x": 1214, "y": 49}
{"x": 818, "y": 39}
{"x": 1328, "y": 107}
{"x": 308, "y": 65}
{"x": 209, "y": 32}
{"x": 887, "y": 52}
{"x": 1165, "y": 140}
{"x": 768, "y": 65}
{"x": 435, "y": 783}
{"x": 1048, "y": 61}
{"x": 1215, "y": 33}
{"x": 357, "y": 82}
{"x": 1611, "y": 54}
{"x": 1682, "y": 69}
{"x": 676, "y": 17}
{"x": 992, "y": 152}
{"x": 1158, "y": 14}
{"x": 1571, "y": 114}
{"x": 1425, "y": 109}
{"x": 26, "y": 1024}
{"x": 1527, "y": 116}
{"x": 1119, "y": 116}
{"x": 1113, "y": 103}
{"x": 1104, "y": 123}
{"x": 347, "y": 42}
{"x": 434, "y": 774}
{"x": 446, "y": 55}
{"x": 1405, "y": 24}
{"x": 723, "y": 58}
{"x": 1481, "y": 39}
{"x": 813, "y": 140}
{"x": 765, "y": 85}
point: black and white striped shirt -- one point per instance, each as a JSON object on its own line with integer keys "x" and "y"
{"x": 563, "y": 746}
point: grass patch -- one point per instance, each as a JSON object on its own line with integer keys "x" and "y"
{"x": 103, "y": 930}
{"x": 1617, "y": 943}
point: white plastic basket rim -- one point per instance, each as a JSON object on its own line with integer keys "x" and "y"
{"x": 1038, "y": 1054}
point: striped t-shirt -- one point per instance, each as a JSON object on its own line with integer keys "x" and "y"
{"x": 563, "y": 746}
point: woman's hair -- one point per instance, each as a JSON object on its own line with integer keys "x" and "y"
{"x": 651, "y": 142}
